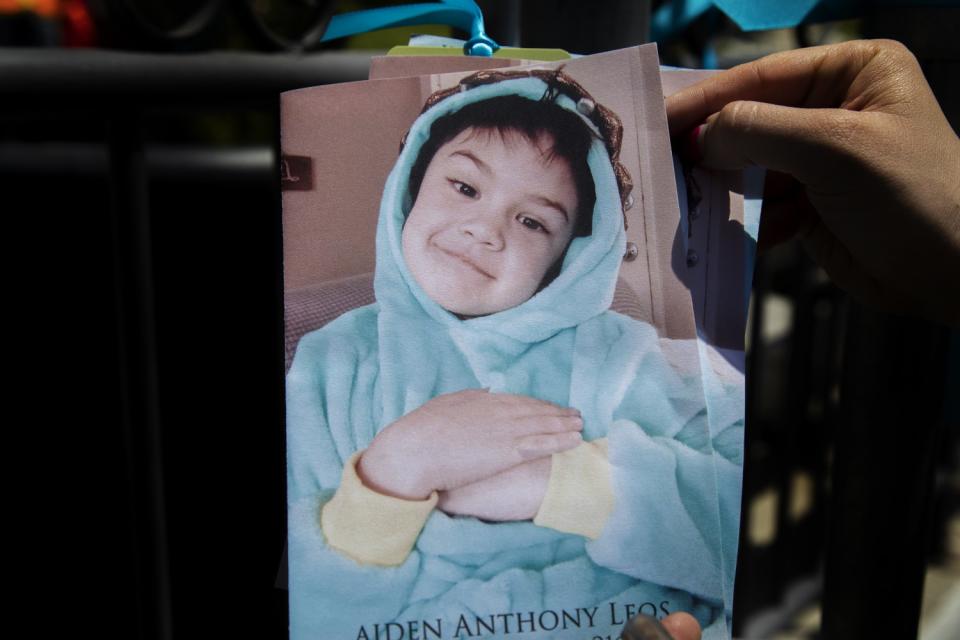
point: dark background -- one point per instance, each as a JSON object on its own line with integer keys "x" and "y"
{"x": 138, "y": 176}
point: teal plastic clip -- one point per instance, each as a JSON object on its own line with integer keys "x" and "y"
{"x": 462, "y": 14}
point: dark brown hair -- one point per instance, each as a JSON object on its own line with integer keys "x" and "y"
{"x": 533, "y": 120}
{"x": 557, "y": 83}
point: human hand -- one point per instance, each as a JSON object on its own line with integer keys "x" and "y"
{"x": 459, "y": 438}
{"x": 676, "y": 626}
{"x": 514, "y": 494}
{"x": 873, "y": 165}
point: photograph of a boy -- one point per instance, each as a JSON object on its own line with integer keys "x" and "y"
{"x": 488, "y": 436}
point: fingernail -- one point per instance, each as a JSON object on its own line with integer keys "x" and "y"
{"x": 689, "y": 145}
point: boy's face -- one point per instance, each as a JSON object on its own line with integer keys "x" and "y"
{"x": 493, "y": 214}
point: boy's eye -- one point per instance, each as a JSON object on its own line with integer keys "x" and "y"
{"x": 532, "y": 224}
{"x": 464, "y": 188}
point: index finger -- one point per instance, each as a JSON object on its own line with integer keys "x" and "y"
{"x": 814, "y": 77}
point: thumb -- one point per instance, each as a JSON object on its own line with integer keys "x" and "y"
{"x": 797, "y": 141}
{"x": 682, "y": 626}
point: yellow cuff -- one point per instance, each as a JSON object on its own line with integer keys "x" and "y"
{"x": 370, "y": 527}
{"x": 579, "y": 495}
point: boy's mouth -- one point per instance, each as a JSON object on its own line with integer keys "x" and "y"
{"x": 464, "y": 259}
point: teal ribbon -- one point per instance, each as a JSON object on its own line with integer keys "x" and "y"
{"x": 462, "y": 14}
{"x": 754, "y": 15}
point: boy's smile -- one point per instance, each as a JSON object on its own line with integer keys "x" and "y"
{"x": 494, "y": 213}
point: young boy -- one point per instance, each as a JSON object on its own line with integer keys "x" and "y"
{"x": 487, "y": 384}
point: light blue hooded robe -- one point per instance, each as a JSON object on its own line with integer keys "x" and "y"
{"x": 369, "y": 367}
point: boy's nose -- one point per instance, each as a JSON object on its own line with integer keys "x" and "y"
{"x": 485, "y": 231}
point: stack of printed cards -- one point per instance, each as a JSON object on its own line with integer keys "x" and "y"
{"x": 515, "y": 353}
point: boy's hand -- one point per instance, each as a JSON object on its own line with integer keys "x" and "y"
{"x": 459, "y": 438}
{"x": 514, "y": 494}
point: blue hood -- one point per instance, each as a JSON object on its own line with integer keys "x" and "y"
{"x": 586, "y": 283}
{"x": 371, "y": 366}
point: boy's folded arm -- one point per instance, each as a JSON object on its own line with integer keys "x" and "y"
{"x": 665, "y": 526}
{"x": 369, "y": 527}
{"x": 579, "y": 496}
